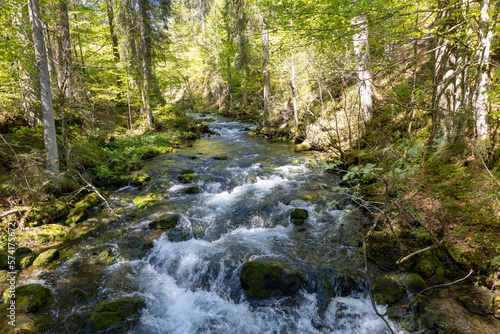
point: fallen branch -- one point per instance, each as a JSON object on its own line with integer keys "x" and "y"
{"x": 488, "y": 170}
{"x": 415, "y": 253}
{"x": 98, "y": 194}
{"x": 6, "y": 213}
{"x": 447, "y": 284}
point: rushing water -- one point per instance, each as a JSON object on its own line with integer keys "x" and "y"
{"x": 190, "y": 278}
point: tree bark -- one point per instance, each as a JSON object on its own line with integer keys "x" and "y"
{"x": 65, "y": 51}
{"x": 483, "y": 56}
{"x": 265, "y": 63}
{"x": 114, "y": 37}
{"x": 49, "y": 129}
{"x": 202, "y": 17}
{"x": 292, "y": 83}
{"x": 145, "y": 30}
{"x": 362, "y": 55}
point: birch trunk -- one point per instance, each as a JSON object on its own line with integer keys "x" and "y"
{"x": 114, "y": 37}
{"x": 485, "y": 35}
{"x": 202, "y": 17}
{"x": 265, "y": 63}
{"x": 49, "y": 129}
{"x": 362, "y": 55}
{"x": 292, "y": 83}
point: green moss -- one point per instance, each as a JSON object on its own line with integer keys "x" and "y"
{"x": 76, "y": 215}
{"x": 20, "y": 251}
{"x": 115, "y": 314}
{"x": 305, "y": 146}
{"x": 47, "y": 213}
{"x": 165, "y": 222}
{"x": 139, "y": 179}
{"x": 221, "y": 157}
{"x": 191, "y": 190}
{"x": 145, "y": 200}
{"x": 4, "y": 260}
{"x": 48, "y": 232}
{"x": 89, "y": 201}
{"x": 414, "y": 283}
{"x": 29, "y": 297}
{"x": 186, "y": 171}
{"x": 46, "y": 258}
{"x": 298, "y": 216}
{"x": 264, "y": 280}
{"x": 467, "y": 257}
{"x": 387, "y": 291}
{"x": 186, "y": 178}
{"x": 27, "y": 260}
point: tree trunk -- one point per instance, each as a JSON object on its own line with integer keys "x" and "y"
{"x": 202, "y": 17}
{"x": 114, "y": 37}
{"x": 65, "y": 52}
{"x": 483, "y": 56}
{"x": 145, "y": 30}
{"x": 49, "y": 129}
{"x": 265, "y": 63}
{"x": 362, "y": 55}
{"x": 444, "y": 90}
{"x": 292, "y": 84}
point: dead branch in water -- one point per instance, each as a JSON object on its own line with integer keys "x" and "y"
{"x": 98, "y": 194}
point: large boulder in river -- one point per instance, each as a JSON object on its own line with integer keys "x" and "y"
{"x": 298, "y": 216}
{"x": 117, "y": 314}
{"x": 263, "y": 280}
{"x": 165, "y": 222}
{"x": 29, "y": 297}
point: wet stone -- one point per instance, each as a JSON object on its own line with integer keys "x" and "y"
{"x": 46, "y": 257}
{"x": 298, "y": 216}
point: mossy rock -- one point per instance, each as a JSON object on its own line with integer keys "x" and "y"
{"x": 298, "y": 216}
{"x": 253, "y": 132}
{"x": 46, "y": 258}
{"x": 220, "y": 157}
{"x": 140, "y": 179}
{"x": 387, "y": 291}
{"x": 29, "y": 297}
{"x": 191, "y": 136}
{"x": 305, "y": 146}
{"x": 186, "y": 178}
{"x": 106, "y": 256}
{"x": 76, "y": 215}
{"x": 26, "y": 261}
{"x": 49, "y": 232}
{"x": 474, "y": 305}
{"x": 191, "y": 190}
{"x": 209, "y": 120}
{"x": 20, "y": 251}
{"x": 145, "y": 200}
{"x": 496, "y": 307}
{"x": 4, "y": 260}
{"x": 89, "y": 201}
{"x": 414, "y": 283}
{"x": 383, "y": 249}
{"x": 115, "y": 314}
{"x": 466, "y": 257}
{"x": 427, "y": 267}
{"x": 263, "y": 280}
{"x": 149, "y": 154}
{"x": 47, "y": 213}
{"x": 165, "y": 222}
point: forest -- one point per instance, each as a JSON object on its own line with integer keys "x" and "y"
{"x": 397, "y": 98}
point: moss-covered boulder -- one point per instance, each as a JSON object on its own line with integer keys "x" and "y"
{"x": 46, "y": 257}
{"x": 191, "y": 190}
{"x": 496, "y": 307}
{"x": 265, "y": 280}
{"x": 186, "y": 178}
{"x": 106, "y": 256}
{"x": 89, "y": 201}
{"x": 140, "y": 179}
{"x": 186, "y": 171}
{"x": 414, "y": 283}
{"x": 383, "y": 249}
{"x": 26, "y": 260}
{"x": 47, "y": 213}
{"x": 48, "y": 232}
{"x": 145, "y": 200}
{"x": 387, "y": 291}
{"x": 118, "y": 314}
{"x": 475, "y": 305}
{"x": 76, "y": 215}
{"x": 29, "y": 297}
{"x": 298, "y": 216}
{"x": 305, "y": 146}
{"x": 4, "y": 260}
{"x": 165, "y": 222}
{"x": 467, "y": 257}
{"x": 129, "y": 167}
{"x": 22, "y": 251}
{"x": 220, "y": 157}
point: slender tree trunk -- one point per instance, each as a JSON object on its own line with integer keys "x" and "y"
{"x": 49, "y": 129}
{"x": 65, "y": 51}
{"x": 483, "y": 56}
{"x": 114, "y": 37}
{"x": 444, "y": 72}
{"x": 145, "y": 30}
{"x": 362, "y": 54}
{"x": 292, "y": 83}
{"x": 265, "y": 63}
{"x": 202, "y": 17}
